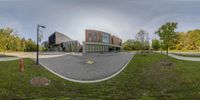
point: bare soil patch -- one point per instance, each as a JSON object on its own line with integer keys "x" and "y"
{"x": 40, "y": 81}
{"x": 166, "y": 63}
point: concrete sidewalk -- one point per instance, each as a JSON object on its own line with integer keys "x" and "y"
{"x": 181, "y": 57}
{"x": 184, "y": 58}
{"x": 8, "y": 58}
{"x": 33, "y": 54}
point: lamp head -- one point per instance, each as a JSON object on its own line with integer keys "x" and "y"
{"x": 43, "y": 26}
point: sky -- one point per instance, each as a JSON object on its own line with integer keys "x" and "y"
{"x": 122, "y": 18}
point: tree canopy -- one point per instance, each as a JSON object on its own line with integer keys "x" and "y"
{"x": 155, "y": 44}
{"x": 167, "y": 33}
{"x": 188, "y": 41}
{"x": 140, "y": 43}
{"x": 10, "y": 41}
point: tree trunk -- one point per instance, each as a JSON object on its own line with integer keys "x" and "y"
{"x": 167, "y": 50}
{"x": 161, "y": 47}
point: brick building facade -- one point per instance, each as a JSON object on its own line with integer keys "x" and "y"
{"x": 98, "y": 41}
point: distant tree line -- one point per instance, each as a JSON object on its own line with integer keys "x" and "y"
{"x": 11, "y": 41}
{"x": 140, "y": 43}
{"x": 169, "y": 40}
{"x": 187, "y": 41}
{"x": 182, "y": 41}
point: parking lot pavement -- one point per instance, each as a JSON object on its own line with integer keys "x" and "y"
{"x": 75, "y": 67}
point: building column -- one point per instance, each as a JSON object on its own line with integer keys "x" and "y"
{"x": 84, "y": 47}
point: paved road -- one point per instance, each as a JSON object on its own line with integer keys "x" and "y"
{"x": 74, "y": 66}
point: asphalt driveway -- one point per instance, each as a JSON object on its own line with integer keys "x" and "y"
{"x": 76, "y": 68}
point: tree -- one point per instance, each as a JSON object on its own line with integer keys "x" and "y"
{"x": 142, "y": 36}
{"x": 155, "y": 44}
{"x": 167, "y": 33}
{"x": 129, "y": 45}
{"x": 23, "y": 44}
{"x": 16, "y": 45}
{"x": 138, "y": 45}
{"x": 187, "y": 41}
{"x": 30, "y": 45}
{"x": 6, "y": 39}
{"x": 181, "y": 41}
{"x": 11, "y": 41}
{"x": 194, "y": 39}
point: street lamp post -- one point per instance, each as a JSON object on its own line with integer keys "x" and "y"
{"x": 38, "y": 27}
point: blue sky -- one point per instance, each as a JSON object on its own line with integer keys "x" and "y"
{"x": 123, "y": 18}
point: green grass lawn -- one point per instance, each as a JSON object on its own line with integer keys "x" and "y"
{"x": 143, "y": 79}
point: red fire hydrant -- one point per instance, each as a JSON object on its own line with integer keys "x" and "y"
{"x": 21, "y": 65}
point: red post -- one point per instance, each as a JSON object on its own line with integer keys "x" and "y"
{"x": 21, "y": 65}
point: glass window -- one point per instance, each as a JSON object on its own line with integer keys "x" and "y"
{"x": 94, "y": 48}
{"x": 89, "y": 48}
{"x": 89, "y": 37}
{"x": 95, "y": 37}
{"x": 105, "y": 38}
{"x": 98, "y": 48}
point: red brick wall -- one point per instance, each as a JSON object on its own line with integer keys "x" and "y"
{"x": 116, "y": 40}
{"x": 89, "y": 33}
{"x": 113, "y": 39}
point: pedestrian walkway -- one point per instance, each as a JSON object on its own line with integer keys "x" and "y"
{"x": 8, "y": 58}
{"x": 184, "y": 58}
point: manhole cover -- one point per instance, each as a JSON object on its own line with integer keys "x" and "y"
{"x": 40, "y": 81}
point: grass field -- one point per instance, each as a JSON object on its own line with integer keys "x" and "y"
{"x": 145, "y": 78}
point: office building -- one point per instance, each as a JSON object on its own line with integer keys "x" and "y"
{"x": 71, "y": 46}
{"x": 98, "y": 41}
{"x": 61, "y": 42}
